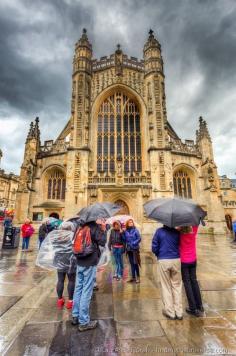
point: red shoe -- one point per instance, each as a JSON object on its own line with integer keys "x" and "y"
{"x": 69, "y": 304}
{"x": 60, "y": 303}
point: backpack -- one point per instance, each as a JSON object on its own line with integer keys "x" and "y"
{"x": 82, "y": 242}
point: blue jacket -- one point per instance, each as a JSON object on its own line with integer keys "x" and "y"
{"x": 165, "y": 243}
{"x": 132, "y": 239}
{"x": 234, "y": 226}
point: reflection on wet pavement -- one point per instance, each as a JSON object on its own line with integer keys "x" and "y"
{"x": 130, "y": 316}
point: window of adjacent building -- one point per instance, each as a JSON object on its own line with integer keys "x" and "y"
{"x": 38, "y": 216}
{"x": 56, "y": 185}
{"x": 182, "y": 184}
{"x": 119, "y": 135}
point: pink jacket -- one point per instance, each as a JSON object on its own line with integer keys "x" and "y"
{"x": 188, "y": 248}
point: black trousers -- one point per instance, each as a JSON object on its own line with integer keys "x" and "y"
{"x": 191, "y": 285}
{"x": 60, "y": 284}
{"x": 133, "y": 264}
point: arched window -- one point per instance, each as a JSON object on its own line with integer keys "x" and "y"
{"x": 118, "y": 135}
{"x": 182, "y": 184}
{"x": 56, "y": 185}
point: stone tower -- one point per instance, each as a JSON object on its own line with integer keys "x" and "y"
{"x": 154, "y": 82}
{"x": 210, "y": 180}
{"x": 27, "y": 173}
{"x": 78, "y": 152}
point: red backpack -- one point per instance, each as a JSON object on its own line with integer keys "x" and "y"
{"x": 82, "y": 243}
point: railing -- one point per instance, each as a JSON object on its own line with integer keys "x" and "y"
{"x": 186, "y": 148}
{"x": 113, "y": 180}
{"x": 133, "y": 63}
{"x": 54, "y": 147}
{"x": 137, "y": 180}
{"x": 101, "y": 180}
{"x": 107, "y": 62}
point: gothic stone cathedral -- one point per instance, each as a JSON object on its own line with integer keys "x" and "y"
{"x": 118, "y": 145}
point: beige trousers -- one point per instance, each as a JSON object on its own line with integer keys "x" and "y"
{"x": 171, "y": 284}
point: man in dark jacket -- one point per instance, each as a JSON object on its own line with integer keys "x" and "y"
{"x": 85, "y": 278}
{"x": 165, "y": 245}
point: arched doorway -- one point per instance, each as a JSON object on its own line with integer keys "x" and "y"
{"x": 228, "y": 220}
{"x": 125, "y": 208}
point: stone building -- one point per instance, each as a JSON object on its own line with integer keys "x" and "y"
{"x": 8, "y": 188}
{"x": 118, "y": 144}
{"x": 228, "y": 189}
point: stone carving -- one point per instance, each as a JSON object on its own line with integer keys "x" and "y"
{"x": 187, "y": 148}
{"x": 149, "y": 98}
{"x": 77, "y": 173}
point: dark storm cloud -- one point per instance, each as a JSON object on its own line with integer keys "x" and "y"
{"x": 199, "y": 48}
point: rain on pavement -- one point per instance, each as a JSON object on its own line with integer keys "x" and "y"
{"x": 130, "y": 316}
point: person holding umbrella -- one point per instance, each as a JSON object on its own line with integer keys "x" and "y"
{"x": 188, "y": 258}
{"x": 172, "y": 212}
{"x": 88, "y": 237}
{"x": 165, "y": 245}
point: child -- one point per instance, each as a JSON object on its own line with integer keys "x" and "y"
{"x": 27, "y": 231}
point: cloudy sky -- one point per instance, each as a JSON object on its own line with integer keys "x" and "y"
{"x": 198, "y": 40}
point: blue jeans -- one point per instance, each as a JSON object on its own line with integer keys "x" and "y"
{"x": 25, "y": 243}
{"x": 85, "y": 277}
{"x": 118, "y": 256}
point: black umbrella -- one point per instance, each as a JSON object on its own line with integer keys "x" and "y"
{"x": 98, "y": 211}
{"x": 175, "y": 212}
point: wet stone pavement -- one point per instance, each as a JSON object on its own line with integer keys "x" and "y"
{"x": 130, "y": 316}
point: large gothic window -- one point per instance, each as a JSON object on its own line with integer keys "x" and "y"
{"x": 118, "y": 135}
{"x": 56, "y": 185}
{"x": 182, "y": 184}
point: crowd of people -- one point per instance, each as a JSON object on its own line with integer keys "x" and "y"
{"x": 175, "y": 249}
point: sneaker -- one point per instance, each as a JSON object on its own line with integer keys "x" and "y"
{"x": 137, "y": 280}
{"x": 69, "y": 304}
{"x": 196, "y": 312}
{"x": 179, "y": 317}
{"x": 74, "y": 320}
{"x": 91, "y": 325}
{"x": 168, "y": 316}
{"x": 114, "y": 277}
{"x": 118, "y": 278}
{"x": 60, "y": 303}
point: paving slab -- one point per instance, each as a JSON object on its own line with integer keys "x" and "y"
{"x": 6, "y": 303}
{"x": 69, "y": 341}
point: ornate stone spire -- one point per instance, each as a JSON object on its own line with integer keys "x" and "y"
{"x": 83, "y": 41}
{"x": 152, "y": 55}
{"x": 119, "y": 60}
{"x": 36, "y": 128}
{"x": 34, "y": 131}
{"x": 31, "y": 132}
{"x": 203, "y": 130}
{"x": 152, "y": 42}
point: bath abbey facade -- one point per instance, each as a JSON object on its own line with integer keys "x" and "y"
{"x": 118, "y": 145}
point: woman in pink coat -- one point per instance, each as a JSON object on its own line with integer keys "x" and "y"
{"x": 188, "y": 258}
